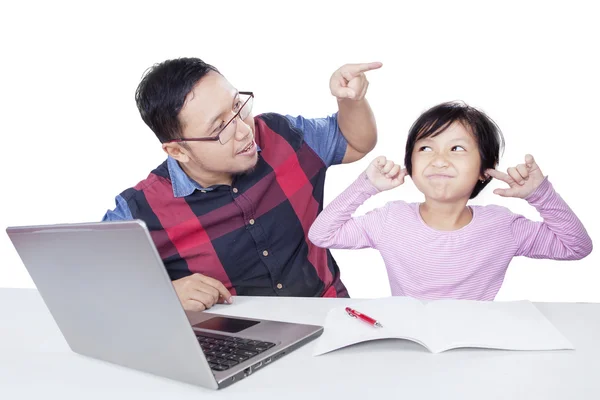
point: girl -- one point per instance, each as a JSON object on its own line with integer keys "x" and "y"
{"x": 442, "y": 248}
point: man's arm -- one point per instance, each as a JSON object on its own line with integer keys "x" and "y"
{"x": 357, "y": 124}
{"x": 355, "y": 117}
{"x": 196, "y": 292}
{"x": 349, "y": 134}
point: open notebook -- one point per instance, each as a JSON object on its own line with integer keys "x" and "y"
{"x": 442, "y": 325}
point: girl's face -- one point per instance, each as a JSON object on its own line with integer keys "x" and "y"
{"x": 445, "y": 168}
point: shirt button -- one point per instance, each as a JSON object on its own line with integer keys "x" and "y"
{"x": 265, "y": 253}
{"x": 235, "y": 190}
{"x": 203, "y": 191}
{"x": 279, "y": 286}
{"x": 251, "y": 222}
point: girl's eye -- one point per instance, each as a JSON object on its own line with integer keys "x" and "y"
{"x": 458, "y": 148}
{"x": 425, "y": 148}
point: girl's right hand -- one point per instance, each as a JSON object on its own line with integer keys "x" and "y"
{"x": 385, "y": 174}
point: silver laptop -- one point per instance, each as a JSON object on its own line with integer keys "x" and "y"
{"x": 109, "y": 293}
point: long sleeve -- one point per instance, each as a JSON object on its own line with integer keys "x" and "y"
{"x": 121, "y": 211}
{"x": 560, "y": 236}
{"x": 335, "y": 228}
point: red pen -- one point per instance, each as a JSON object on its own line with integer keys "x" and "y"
{"x": 363, "y": 317}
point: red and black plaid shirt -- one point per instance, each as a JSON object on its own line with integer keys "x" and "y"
{"x": 252, "y": 235}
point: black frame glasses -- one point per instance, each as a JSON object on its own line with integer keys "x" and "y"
{"x": 216, "y": 137}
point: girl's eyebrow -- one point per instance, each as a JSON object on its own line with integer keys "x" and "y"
{"x": 460, "y": 140}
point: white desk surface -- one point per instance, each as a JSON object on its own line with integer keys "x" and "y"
{"x": 36, "y": 362}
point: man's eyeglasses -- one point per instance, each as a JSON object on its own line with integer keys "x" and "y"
{"x": 224, "y": 133}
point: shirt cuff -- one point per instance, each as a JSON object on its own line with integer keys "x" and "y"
{"x": 541, "y": 194}
{"x": 364, "y": 185}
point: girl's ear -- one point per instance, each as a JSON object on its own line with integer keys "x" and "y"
{"x": 484, "y": 177}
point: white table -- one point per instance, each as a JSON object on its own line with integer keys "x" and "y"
{"x": 36, "y": 362}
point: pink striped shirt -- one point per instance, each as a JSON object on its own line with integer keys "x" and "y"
{"x": 468, "y": 263}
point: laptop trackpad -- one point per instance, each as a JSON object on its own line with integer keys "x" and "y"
{"x": 226, "y": 324}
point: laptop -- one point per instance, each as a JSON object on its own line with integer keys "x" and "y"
{"x": 108, "y": 291}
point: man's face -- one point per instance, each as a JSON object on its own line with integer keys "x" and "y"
{"x": 207, "y": 109}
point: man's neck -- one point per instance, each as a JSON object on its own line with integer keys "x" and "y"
{"x": 206, "y": 179}
{"x": 446, "y": 216}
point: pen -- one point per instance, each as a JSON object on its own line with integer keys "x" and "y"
{"x": 355, "y": 314}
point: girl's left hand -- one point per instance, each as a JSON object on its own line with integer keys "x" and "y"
{"x": 523, "y": 179}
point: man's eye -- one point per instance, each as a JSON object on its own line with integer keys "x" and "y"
{"x": 237, "y": 105}
{"x": 218, "y": 128}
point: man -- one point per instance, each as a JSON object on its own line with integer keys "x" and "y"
{"x": 230, "y": 208}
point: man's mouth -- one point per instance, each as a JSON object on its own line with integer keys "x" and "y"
{"x": 246, "y": 149}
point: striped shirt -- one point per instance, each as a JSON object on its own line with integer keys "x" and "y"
{"x": 468, "y": 263}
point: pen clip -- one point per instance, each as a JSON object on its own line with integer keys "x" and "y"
{"x": 350, "y": 313}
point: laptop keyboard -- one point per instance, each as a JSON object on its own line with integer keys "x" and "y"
{"x": 223, "y": 352}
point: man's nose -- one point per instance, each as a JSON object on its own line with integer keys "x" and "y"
{"x": 242, "y": 129}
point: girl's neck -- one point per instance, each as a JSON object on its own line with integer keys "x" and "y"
{"x": 446, "y": 216}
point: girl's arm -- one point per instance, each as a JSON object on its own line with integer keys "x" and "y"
{"x": 336, "y": 228}
{"x": 560, "y": 236}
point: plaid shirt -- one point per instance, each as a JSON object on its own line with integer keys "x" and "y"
{"x": 252, "y": 235}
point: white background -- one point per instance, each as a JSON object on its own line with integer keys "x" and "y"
{"x": 72, "y": 138}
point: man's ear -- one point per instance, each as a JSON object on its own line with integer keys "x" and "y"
{"x": 176, "y": 151}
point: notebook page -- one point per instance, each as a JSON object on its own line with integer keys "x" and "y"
{"x": 513, "y": 325}
{"x": 402, "y": 318}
